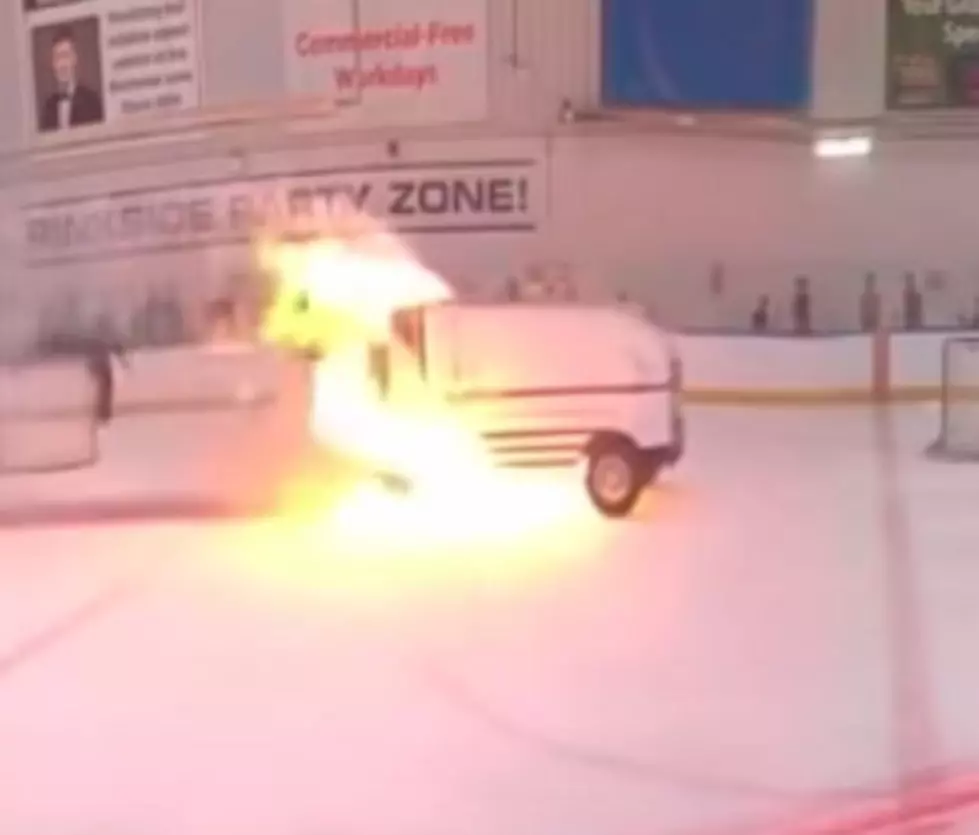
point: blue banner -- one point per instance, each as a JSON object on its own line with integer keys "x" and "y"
{"x": 738, "y": 54}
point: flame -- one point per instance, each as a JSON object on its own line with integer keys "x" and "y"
{"x": 337, "y": 291}
{"x": 342, "y": 284}
{"x": 418, "y": 438}
{"x": 351, "y": 278}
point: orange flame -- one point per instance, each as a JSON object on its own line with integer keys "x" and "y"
{"x": 338, "y": 285}
{"x": 337, "y": 292}
{"x": 342, "y": 283}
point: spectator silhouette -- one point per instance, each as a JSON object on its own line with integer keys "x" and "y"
{"x": 914, "y": 304}
{"x": 760, "y": 315}
{"x": 973, "y": 321}
{"x": 159, "y": 321}
{"x": 869, "y": 304}
{"x": 97, "y": 350}
{"x": 221, "y": 320}
{"x": 802, "y": 306}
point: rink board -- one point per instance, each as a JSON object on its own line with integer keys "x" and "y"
{"x": 844, "y": 370}
{"x": 47, "y": 417}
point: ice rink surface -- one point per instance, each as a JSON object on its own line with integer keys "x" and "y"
{"x": 723, "y": 662}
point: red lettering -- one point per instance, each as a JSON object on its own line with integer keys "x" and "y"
{"x": 390, "y": 77}
{"x": 398, "y": 37}
{"x": 450, "y": 34}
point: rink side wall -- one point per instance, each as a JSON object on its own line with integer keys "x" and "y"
{"x": 745, "y": 371}
{"x": 852, "y": 369}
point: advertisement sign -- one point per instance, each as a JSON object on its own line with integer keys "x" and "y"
{"x": 750, "y": 54}
{"x": 98, "y": 61}
{"x": 402, "y": 63}
{"x": 475, "y": 196}
{"x": 932, "y": 54}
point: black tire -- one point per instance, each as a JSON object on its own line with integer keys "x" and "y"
{"x": 615, "y": 477}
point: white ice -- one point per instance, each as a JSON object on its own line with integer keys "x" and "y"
{"x": 722, "y": 660}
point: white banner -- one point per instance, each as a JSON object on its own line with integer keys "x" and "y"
{"x": 485, "y": 195}
{"x": 418, "y": 62}
{"x": 95, "y": 61}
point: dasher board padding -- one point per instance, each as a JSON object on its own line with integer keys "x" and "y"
{"x": 47, "y": 417}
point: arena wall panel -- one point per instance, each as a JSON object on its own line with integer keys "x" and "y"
{"x": 523, "y": 60}
{"x": 694, "y": 229}
{"x": 242, "y": 56}
{"x": 12, "y": 82}
{"x": 538, "y": 53}
{"x": 849, "y": 59}
{"x": 544, "y": 51}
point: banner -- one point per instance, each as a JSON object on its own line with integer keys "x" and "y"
{"x": 478, "y": 196}
{"x": 932, "y": 54}
{"x": 98, "y": 61}
{"x": 751, "y": 54}
{"x": 423, "y": 62}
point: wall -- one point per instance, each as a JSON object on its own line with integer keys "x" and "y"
{"x": 658, "y": 212}
{"x": 544, "y": 51}
{"x": 188, "y": 230}
{"x": 11, "y": 81}
{"x": 843, "y": 369}
{"x": 654, "y": 216}
{"x": 672, "y": 197}
{"x": 539, "y": 53}
{"x": 849, "y": 59}
{"x": 232, "y": 74}
{"x": 663, "y": 218}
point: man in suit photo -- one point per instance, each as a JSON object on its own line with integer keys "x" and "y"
{"x": 73, "y": 103}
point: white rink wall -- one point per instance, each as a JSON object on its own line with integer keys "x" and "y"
{"x": 736, "y": 370}
{"x": 810, "y": 370}
{"x": 833, "y": 369}
{"x": 753, "y": 367}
